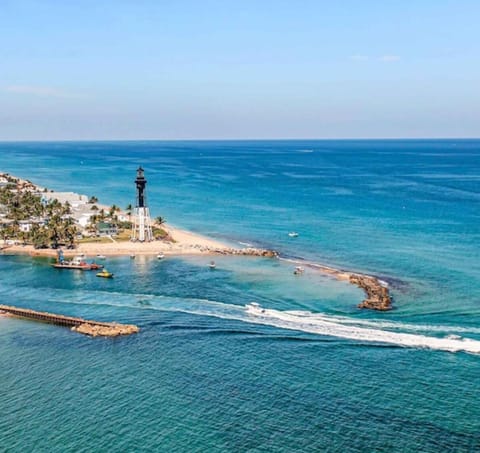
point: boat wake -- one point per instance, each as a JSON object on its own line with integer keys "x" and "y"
{"x": 331, "y": 326}
{"x": 371, "y": 331}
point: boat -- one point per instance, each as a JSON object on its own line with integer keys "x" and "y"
{"x": 299, "y": 270}
{"x": 70, "y": 265}
{"x": 293, "y": 234}
{"x": 101, "y": 257}
{"x": 95, "y": 266}
{"x": 160, "y": 256}
{"x": 254, "y": 308}
{"x": 212, "y": 265}
{"x": 132, "y": 256}
{"x": 77, "y": 262}
{"x": 105, "y": 274}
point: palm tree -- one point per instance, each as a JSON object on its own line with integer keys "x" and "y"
{"x": 160, "y": 220}
{"x": 129, "y": 210}
{"x": 113, "y": 209}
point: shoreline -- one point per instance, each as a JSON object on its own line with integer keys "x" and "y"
{"x": 377, "y": 294}
{"x": 182, "y": 242}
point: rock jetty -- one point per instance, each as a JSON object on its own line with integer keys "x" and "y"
{"x": 378, "y": 296}
{"x": 250, "y": 251}
{"x": 80, "y": 325}
{"x": 111, "y": 330}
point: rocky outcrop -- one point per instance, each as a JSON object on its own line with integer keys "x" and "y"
{"x": 378, "y": 295}
{"x": 110, "y": 330}
{"x": 248, "y": 252}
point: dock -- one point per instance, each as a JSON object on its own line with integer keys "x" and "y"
{"x": 80, "y": 325}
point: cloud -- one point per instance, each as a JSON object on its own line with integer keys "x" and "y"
{"x": 358, "y": 57}
{"x": 41, "y": 91}
{"x": 389, "y": 58}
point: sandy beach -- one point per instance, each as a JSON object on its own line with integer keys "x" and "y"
{"x": 184, "y": 243}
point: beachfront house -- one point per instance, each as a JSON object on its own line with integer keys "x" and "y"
{"x": 106, "y": 229}
{"x": 26, "y": 225}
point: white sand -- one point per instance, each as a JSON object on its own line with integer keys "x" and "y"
{"x": 184, "y": 243}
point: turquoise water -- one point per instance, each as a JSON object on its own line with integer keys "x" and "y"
{"x": 316, "y": 373}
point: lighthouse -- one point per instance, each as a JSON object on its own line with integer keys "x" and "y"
{"x": 141, "y": 228}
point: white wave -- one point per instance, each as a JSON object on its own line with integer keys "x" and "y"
{"x": 325, "y": 326}
{"x": 398, "y": 325}
{"x": 298, "y": 320}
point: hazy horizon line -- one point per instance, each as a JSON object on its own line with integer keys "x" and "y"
{"x": 228, "y": 139}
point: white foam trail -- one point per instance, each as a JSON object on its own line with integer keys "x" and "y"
{"x": 246, "y": 244}
{"x": 322, "y": 326}
{"x": 298, "y": 320}
{"x": 398, "y": 325}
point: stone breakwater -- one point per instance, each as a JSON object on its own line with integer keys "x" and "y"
{"x": 80, "y": 325}
{"x": 248, "y": 252}
{"x": 377, "y": 293}
{"x": 111, "y": 330}
{"x": 378, "y": 296}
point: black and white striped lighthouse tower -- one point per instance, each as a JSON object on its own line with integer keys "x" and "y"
{"x": 141, "y": 228}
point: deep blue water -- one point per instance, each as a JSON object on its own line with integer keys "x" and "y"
{"x": 203, "y": 375}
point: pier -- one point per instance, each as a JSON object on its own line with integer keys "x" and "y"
{"x": 80, "y": 325}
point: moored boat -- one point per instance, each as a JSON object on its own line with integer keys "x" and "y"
{"x": 105, "y": 274}
{"x": 299, "y": 270}
{"x": 77, "y": 262}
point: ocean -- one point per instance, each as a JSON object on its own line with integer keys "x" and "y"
{"x": 317, "y": 374}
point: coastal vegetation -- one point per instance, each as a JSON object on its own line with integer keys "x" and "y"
{"x": 29, "y": 218}
{"x": 31, "y": 215}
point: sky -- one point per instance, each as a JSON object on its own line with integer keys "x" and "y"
{"x": 245, "y": 69}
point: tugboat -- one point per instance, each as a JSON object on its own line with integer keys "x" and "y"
{"x": 76, "y": 263}
{"x": 105, "y": 274}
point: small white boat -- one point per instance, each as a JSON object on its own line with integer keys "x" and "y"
{"x": 212, "y": 265}
{"x": 254, "y": 308}
{"x": 101, "y": 257}
{"x": 160, "y": 256}
{"x": 132, "y": 256}
{"x": 293, "y": 234}
{"x": 299, "y": 270}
